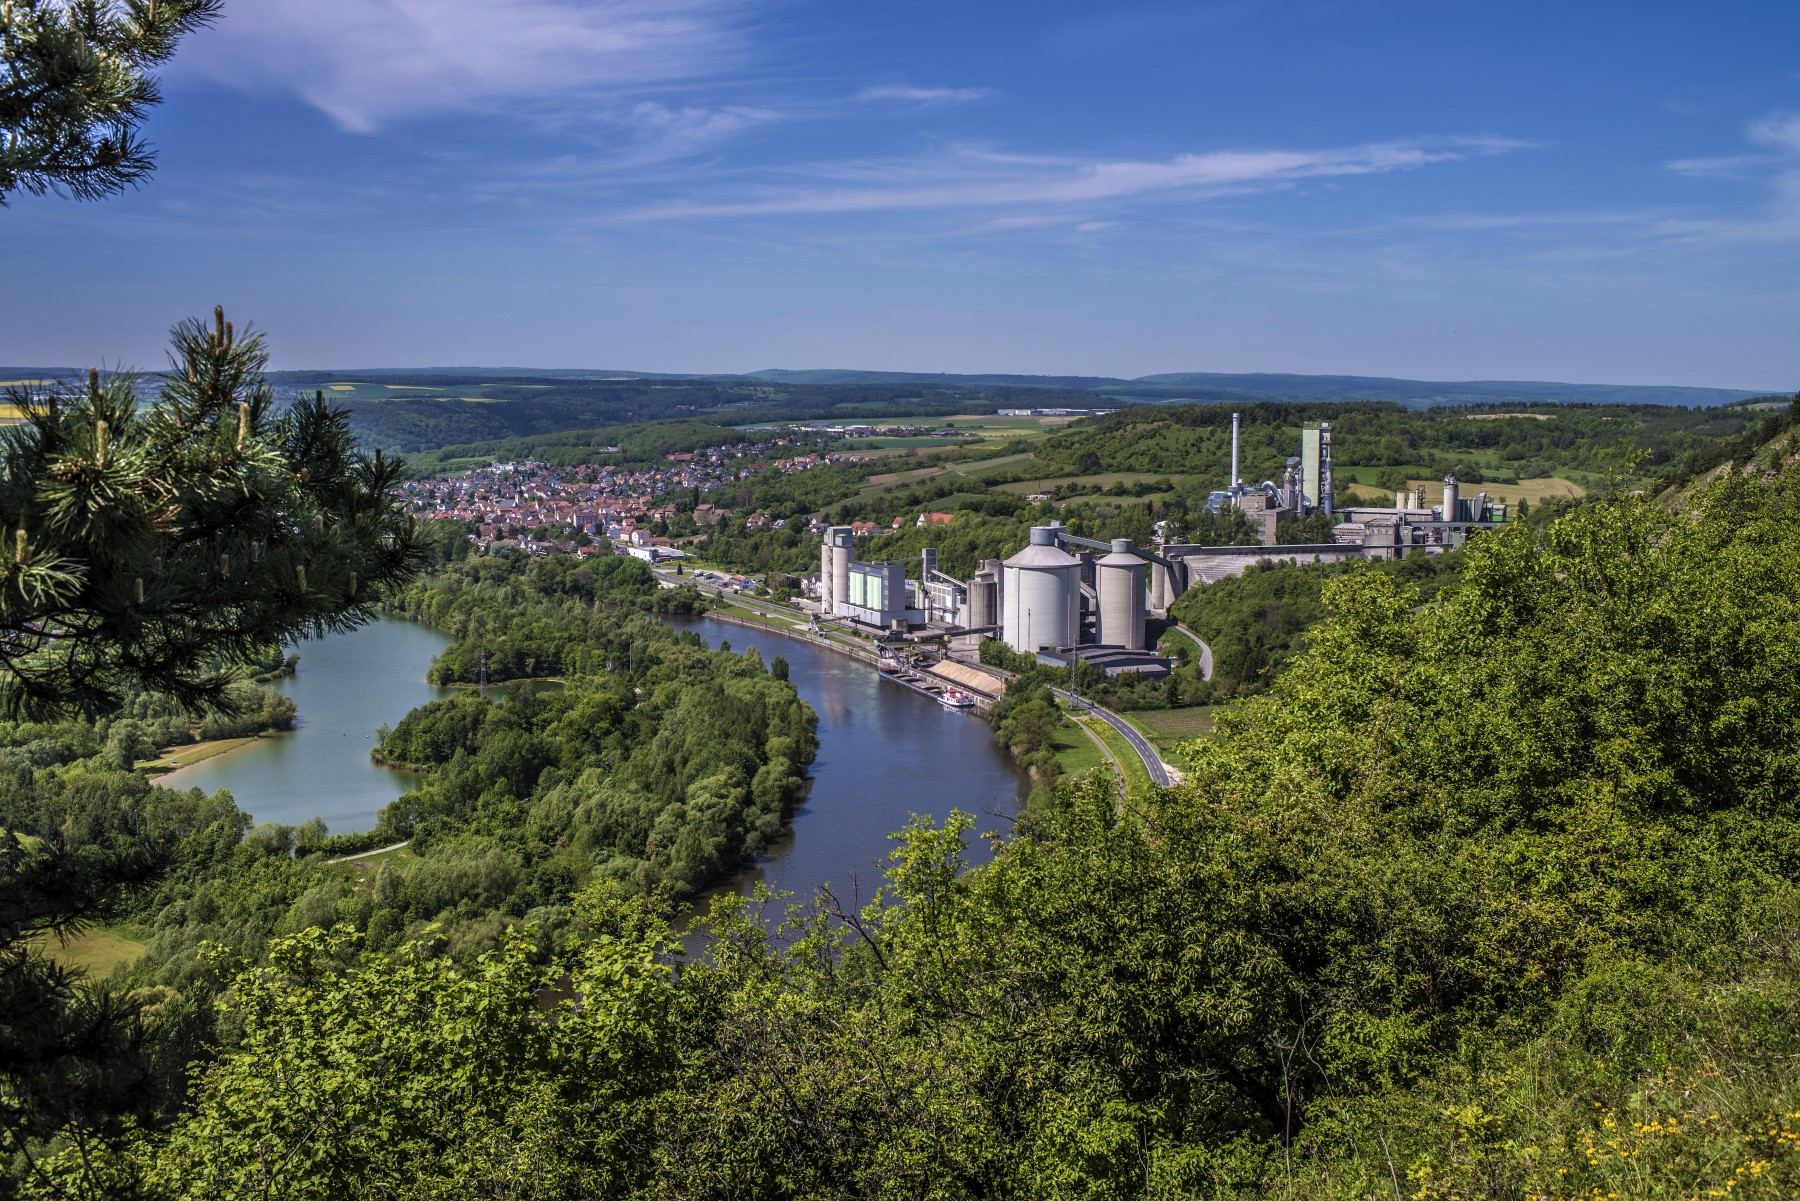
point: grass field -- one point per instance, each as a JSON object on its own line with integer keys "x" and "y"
{"x": 923, "y": 443}
{"x": 1102, "y": 480}
{"x": 400, "y": 858}
{"x": 1075, "y": 751}
{"x": 96, "y": 950}
{"x": 1533, "y": 490}
{"x": 191, "y": 753}
{"x": 1137, "y": 779}
{"x": 994, "y": 466}
{"x": 1167, "y": 728}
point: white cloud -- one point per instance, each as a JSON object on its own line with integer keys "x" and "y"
{"x": 972, "y": 178}
{"x": 669, "y": 132}
{"x": 370, "y": 62}
{"x": 907, "y": 93}
{"x": 1779, "y": 220}
{"x": 1781, "y": 130}
{"x": 1731, "y": 165}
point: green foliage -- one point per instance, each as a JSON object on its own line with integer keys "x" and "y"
{"x": 1494, "y": 894}
{"x": 1257, "y": 623}
{"x": 75, "y": 88}
{"x": 536, "y": 617}
{"x": 155, "y": 546}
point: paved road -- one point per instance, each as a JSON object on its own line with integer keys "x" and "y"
{"x": 1159, "y": 772}
{"x": 1206, "y": 664}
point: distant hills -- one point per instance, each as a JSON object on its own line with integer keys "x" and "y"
{"x": 1203, "y": 387}
{"x": 1218, "y": 387}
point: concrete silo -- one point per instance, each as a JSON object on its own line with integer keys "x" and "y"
{"x": 1041, "y": 595}
{"x": 1121, "y": 590}
{"x": 984, "y": 596}
{"x": 841, "y": 543}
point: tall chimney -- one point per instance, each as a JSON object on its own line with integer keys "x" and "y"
{"x": 1234, "y": 450}
{"x": 1327, "y": 492}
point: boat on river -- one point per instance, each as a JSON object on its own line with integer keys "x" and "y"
{"x": 956, "y": 699}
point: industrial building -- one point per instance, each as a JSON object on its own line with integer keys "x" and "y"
{"x": 1045, "y": 598}
{"x": 1056, "y": 598}
{"x": 881, "y": 595}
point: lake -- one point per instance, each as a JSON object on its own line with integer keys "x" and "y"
{"x": 348, "y": 685}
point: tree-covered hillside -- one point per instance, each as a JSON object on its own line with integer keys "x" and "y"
{"x": 1494, "y": 894}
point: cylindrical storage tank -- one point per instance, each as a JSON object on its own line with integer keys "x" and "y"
{"x": 984, "y": 596}
{"x": 1121, "y": 589}
{"x": 827, "y": 560}
{"x": 1041, "y": 595}
{"x": 1450, "y": 498}
{"x": 845, "y": 541}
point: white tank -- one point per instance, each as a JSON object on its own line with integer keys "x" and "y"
{"x": 1121, "y": 589}
{"x": 984, "y": 598}
{"x": 1449, "y": 498}
{"x": 843, "y": 540}
{"x": 1041, "y": 595}
{"x": 827, "y": 560}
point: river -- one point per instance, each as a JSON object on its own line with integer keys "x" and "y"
{"x": 885, "y": 752}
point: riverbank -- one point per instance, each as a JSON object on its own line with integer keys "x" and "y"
{"x": 176, "y": 759}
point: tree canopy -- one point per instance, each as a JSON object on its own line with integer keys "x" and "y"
{"x": 1492, "y": 894}
{"x": 76, "y": 87}
{"x": 149, "y": 546}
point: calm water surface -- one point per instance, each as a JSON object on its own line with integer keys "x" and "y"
{"x": 885, "y": 752}
{"x": 346, "y": 687}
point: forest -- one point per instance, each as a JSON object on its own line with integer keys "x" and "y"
{"x": 1492, "y": 893}
{"x": 657, "y": 765}
{"x": 531, "y": 407}
{"x": 1257, "y": 623}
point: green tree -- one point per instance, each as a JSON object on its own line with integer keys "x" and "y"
{"x": 157, "y": 548}
{"x": 154, "y": 549}
{"x": 75, "y": 89}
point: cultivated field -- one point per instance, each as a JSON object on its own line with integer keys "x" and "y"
{"x": 1167, "y": 728}
{"x": 1104, "y": 479}
{"x": 96, "y": 950}
{"x": 365, "y": 390}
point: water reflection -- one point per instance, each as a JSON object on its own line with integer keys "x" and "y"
{"x": 885, "y": 753}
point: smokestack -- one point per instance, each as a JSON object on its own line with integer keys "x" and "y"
{"x": 1327, "y": 494}
{"x": 1234, "y": 450}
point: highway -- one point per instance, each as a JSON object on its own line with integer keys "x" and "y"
{"x": 1159, "y": 772}
{"x": 1206, "y": 659}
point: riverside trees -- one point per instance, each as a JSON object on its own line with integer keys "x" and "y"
{"x": 1491, "y": 895}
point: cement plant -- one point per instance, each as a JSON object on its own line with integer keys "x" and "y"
{"x": 1066, "y": 599}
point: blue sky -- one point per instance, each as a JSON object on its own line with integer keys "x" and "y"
{"x": 1600, "y": 191}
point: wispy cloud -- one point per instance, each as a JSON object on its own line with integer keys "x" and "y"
{"x": 1731, "y": 165}
{"x": 974, "y": 178}
{"x": 910, "y": 94}
{"x": 1779, "y": 220}
{"x": 667, "y": 132}
{"x": 367, "y": 63}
